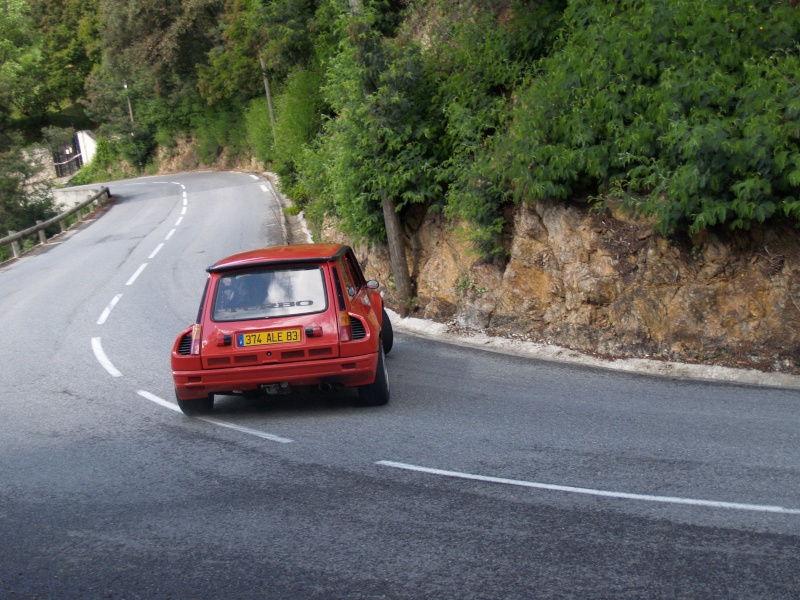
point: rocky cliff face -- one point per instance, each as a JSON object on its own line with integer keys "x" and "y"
{"x": 609, "y": 286}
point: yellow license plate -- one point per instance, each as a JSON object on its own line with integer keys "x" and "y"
{"x": 262, "y": 338}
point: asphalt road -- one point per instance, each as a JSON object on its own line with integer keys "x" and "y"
{"x": 486, "y": 476}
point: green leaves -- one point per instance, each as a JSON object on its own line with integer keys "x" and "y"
{"x": 380, "y": 141}
{"x": 686, "y": 110}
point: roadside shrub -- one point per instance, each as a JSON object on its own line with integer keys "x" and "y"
{"x": 479, "y": 52}
{"x": 218, "y": 127}
{"x": 298, "y": 111}
{"x": 259, "y": 129}
{"x": 105, "y": 166}
{"x": 686, "y": 110}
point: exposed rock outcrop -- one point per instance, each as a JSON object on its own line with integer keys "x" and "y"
{"x": 609, "y": 286}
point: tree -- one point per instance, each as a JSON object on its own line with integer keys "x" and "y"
{"x": 20, "y": 59}
{"x": 386, "y": 157}
{"x": 69, "y": 32}
{"x": 279, "y": 33}
{"x": 24, "y": 197}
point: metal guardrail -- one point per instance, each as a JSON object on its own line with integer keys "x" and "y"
{"x": 14, "y": 237}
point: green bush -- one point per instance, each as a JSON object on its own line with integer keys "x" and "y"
{"x": 478, "y": 55}
{"x": 217, "y": 128}
{"x": 298, "y": 119}
{"x": 688, "y": 111}
{"x": 259, "y": 129}
{"x": 105, "y": 166}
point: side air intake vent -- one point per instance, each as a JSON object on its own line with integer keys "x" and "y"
{"x": 185, "y": 347}
{"x": 359, "y": 332}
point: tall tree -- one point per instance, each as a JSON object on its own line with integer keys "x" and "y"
{"x": 159, "y": 40}
{"x": 70, "y": 46}
{"x": 23, "y": 196}
{"x": 20, "y": 59}
{"x": 389, "y": 149}
{"x": 276, "y": 35}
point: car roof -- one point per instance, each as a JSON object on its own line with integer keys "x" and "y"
{"x": 276, "y": 255}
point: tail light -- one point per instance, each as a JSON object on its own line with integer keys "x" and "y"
{"x": 345, "y": 333}
{"x": 197, "y": 336}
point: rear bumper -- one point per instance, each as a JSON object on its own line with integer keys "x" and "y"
{"x": 351, "y": 371}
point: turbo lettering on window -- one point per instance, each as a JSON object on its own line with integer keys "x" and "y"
{"x": 287, "y": 304}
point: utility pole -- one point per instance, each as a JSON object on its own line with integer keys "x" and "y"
{"x": 394, "y": 232}
{"x": 128, "y": 98}
{"x": 268, "y": 93}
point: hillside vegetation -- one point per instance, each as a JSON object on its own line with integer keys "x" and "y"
{"x": 685, "y": 112}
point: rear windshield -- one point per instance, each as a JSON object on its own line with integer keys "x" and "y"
{"x": 269, "y": 293}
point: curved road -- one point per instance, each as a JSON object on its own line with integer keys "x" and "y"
{"x": 487, "y": 476}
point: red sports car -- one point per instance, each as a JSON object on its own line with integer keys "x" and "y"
{"x": 282, "y": 317}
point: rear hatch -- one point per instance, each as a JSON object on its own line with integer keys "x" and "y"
{"x": 269, "y": 315}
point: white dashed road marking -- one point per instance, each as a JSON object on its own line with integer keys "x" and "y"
{"x": 135, "y": 275}
{"x": 108, "y": 309}
{"x": 103, "y": 359}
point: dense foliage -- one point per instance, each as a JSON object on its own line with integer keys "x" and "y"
{"x": 686, "y": 112}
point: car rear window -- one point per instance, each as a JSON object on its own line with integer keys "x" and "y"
{"x": 269, "y": 293}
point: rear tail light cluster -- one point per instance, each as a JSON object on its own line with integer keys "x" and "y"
{"x": 345, "y": 332}
{"x": 197, "y": 336}
{"x": 350, "y": 328}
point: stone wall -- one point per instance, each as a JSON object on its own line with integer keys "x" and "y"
{"x": 609, "y": 286}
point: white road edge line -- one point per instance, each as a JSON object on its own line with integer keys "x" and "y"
{"x": 156, "y": 251}
{"x": 135, "y": 275}
{"x": 247, "y": 430}
{"x": 108, "y": 309}
{"x": 592, "y": 492}
{"x": 103, "y": 359}
{"x": 254, "y": 176}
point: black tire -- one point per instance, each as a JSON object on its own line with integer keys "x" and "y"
{"x": 387, "y": 333}
{"x": 200, "y": 406}
{"x": 376, "y": 393}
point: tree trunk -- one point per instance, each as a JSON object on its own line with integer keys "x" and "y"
{"x": 397, "y": 255}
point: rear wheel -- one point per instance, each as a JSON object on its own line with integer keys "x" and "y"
{"x": 387, "y": 333}
{"x": 376, "y": 393}
{"x": 199, "y": 406}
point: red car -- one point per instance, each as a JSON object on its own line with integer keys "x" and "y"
{"x": 282, "y": 317}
